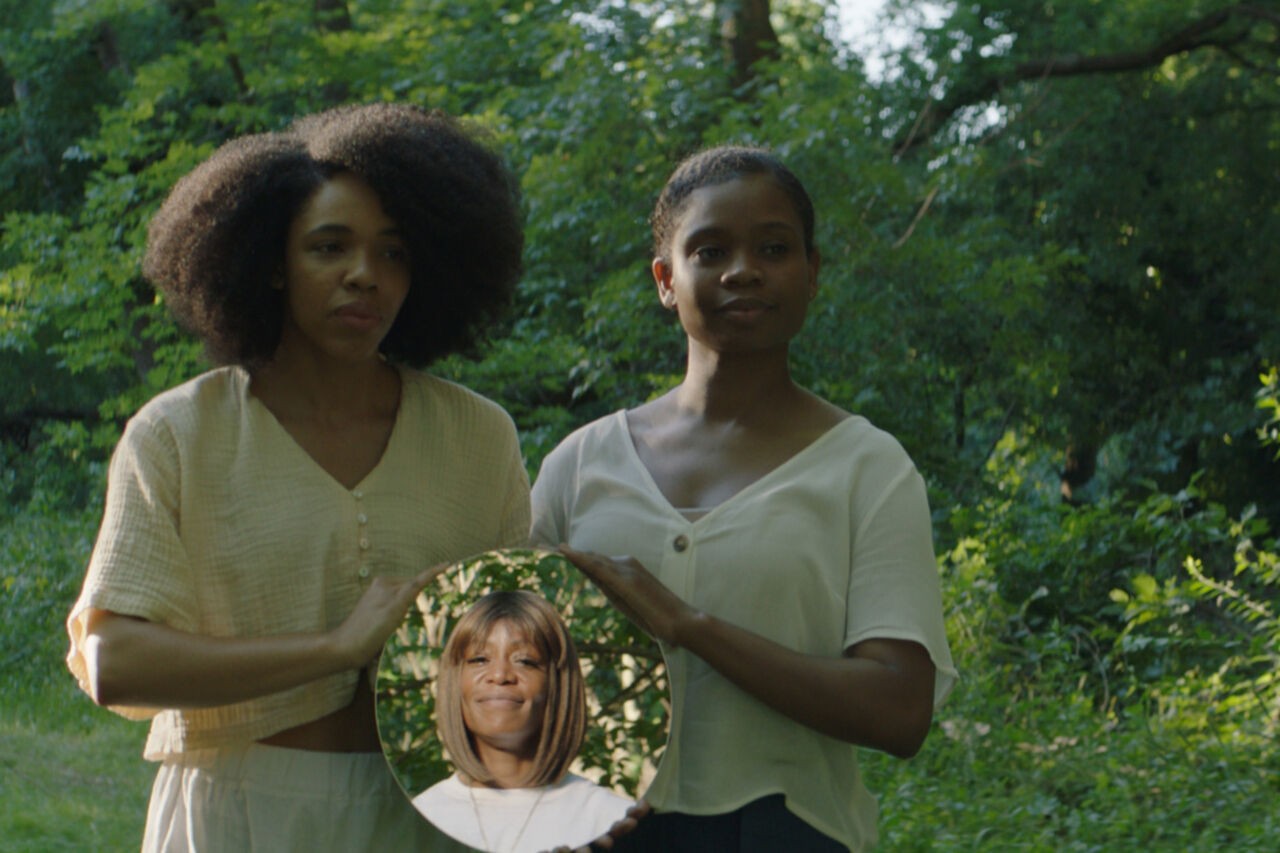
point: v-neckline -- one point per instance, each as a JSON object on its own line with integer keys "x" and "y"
{"x": 738, "y": 496}
{"x": 310, "y": 460}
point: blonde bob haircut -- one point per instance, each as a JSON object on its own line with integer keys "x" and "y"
{"x": 564, "y": 720}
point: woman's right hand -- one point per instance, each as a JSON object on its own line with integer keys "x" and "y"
{"x": 360, "y": 637}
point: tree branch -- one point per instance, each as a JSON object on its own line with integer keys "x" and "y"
{"x": 1204, "y": 32}
{"x": 924, "y": 208}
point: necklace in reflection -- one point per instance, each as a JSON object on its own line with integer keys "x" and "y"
{"x": 515, "y": 842}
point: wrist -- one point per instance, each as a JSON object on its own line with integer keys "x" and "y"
{"x": 688, "y": 626}
{"x": 337, "y": 655}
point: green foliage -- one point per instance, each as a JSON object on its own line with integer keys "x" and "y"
{"x": 1012, "y": 266}
{"x": 1269, "y": 401}
{"x": 1140, "y": 595}
{"x": 965, "y": 290}
{"x": 626, "y": 683}
{"x": 1224, "y": 663}
{"x": 1021, "y": 756}
{"x": 1022, "y": 761}
{"x": 1142, "y": 336}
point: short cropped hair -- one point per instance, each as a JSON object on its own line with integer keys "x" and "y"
{"x": 217, "y": 243}
{"x": 564, "y": 720}
{"x": 714, "y": 166}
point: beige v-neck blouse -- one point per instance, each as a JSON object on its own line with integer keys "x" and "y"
{"x": 830, "y": 548}
{"x": 217, "y": 522}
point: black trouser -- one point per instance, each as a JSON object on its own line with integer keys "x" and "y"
{"x": 761, "y": 826}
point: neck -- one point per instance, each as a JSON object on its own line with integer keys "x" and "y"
{"x": 300, "y": 386}
{"x": 509, "y": 770}
{"x": 734, "y": 387}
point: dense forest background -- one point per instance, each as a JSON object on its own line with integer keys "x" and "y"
{"x": 1051, "y": 241}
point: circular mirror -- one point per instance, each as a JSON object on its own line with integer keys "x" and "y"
{"x": 626, "y": 708}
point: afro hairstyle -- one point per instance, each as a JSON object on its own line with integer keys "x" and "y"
{"x": 217, "y": 243}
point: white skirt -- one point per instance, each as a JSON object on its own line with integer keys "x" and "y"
{"x": 267, "y": 798}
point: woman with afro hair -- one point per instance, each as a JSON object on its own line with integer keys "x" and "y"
{"x": 268, "y": 523}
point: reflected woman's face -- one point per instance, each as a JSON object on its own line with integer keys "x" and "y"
{"x": 504, "y": 692}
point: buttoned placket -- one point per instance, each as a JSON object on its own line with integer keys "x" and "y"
{"x": 679, "y": 556}
{"x": 679, "y": 573}
{"x": 362, "y": 536}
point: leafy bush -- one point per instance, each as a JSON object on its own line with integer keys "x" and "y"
{"x": 1024, "y": 757}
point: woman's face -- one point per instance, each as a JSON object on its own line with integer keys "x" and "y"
{"x": 346, "y": 272}
{"x": 737, "y": 271}
{"x": 504, "y": 691}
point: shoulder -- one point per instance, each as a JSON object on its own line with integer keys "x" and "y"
{"x": 866, "y": 444}
{"x": 177, "y": 428}
{"x": 212, "y": 387}
{"x": 588, "y": 440}
{"x": 859, "y": 432}
{"x": 179, "y": 411}
{"x": 597, "y": 446}
{"x": 440, "y": 399}
{"x": 443, "y": 792}
{"x": 860, "y": 461}
{"x": 591, "y": 795}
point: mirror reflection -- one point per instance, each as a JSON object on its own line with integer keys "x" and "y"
{"x": 517, "y": 709}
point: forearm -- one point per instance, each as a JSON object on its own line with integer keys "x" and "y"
{"x": 882, "y": 701}
{"x": 879, "y": 694}
{"x": 136, "y": 662}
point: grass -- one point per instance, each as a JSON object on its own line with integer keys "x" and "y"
{"x": 71, "y": 774}
{"x": 994, "y": 776}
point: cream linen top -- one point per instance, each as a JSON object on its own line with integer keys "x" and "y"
{"x": 218, "y": 523}
{"x": 830, "y": 548}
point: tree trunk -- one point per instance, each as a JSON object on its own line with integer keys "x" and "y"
{"x": 746, "y": 37}
{"x": 1078, "y": 468}
{"x": 332, "y": 15}
{"x": 30, "y": 142}
{"x": 107, "y": 47}
{"x": 196, "y": 17}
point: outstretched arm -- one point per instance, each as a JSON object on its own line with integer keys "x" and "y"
{"x": 878, "y": 695}
{"x": 133, "y": 661}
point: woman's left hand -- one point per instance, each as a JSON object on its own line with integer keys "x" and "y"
{"x": 622, "y": 827}
{"x": 636, "y": 592}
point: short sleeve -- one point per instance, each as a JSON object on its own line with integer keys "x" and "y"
{"x": 894, "y": 588}
{"x": 515, "y": 506}
{"x": 138, "y": 567}
{"x": 549, "y": 496}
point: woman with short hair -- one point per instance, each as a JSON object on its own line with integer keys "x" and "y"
{"x": 511, "y": 711}
{"x": 779, "y": 546}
